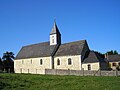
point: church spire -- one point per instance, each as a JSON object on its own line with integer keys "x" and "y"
{"x": 55, "y": 29}
{"x": 55, "y": 36}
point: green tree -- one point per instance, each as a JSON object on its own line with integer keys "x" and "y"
{"x": 100, "y": 54}
{"x": 115, "y": 52}
{"x": 112, "y": 52}
{"x": 8, "y": 61}
{"x": 1, "y": 65}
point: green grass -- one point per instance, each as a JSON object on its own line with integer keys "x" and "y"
{"x": 51, "y": 82}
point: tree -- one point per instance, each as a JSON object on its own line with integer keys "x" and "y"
{"x": 1, "y": 65}
{"x": 8, "y": 61}
{"x": 112, "y": 52}
{"x": 115, "y": 52}
{"x": 100, "y": 54}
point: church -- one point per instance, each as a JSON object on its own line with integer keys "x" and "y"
{"x": 36, "y": 58}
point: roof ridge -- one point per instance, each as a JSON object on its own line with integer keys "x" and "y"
{"x": 73, "y": 42}
{"x": 36, "y": 44}
{"x": 114, "y": 55}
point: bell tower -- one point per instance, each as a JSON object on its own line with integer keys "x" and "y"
{"x": 55, "y": 36}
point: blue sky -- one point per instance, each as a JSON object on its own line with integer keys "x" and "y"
{"x": 24, "y": 22}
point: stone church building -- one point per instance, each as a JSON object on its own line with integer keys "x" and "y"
{"x": 54, "y": 55}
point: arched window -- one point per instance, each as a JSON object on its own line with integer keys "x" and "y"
{"x": 31, "y": 61}
{"x": 41, "y": 61}
{"x": 22, "y": 61}
{"x": 69, "y": 61}
{"x": 119, "y": 63}
{"x": 89, "y": 67}
{"x": 113, "y": 64}
{"x": 58, "y": 62}
{"x": 52, "y": 39}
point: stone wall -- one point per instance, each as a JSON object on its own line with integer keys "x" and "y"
{"x": 94, "y": 66}
{"x": 75, "y": 62}
{"x": 113, "y": 67}
{"x": 81, "y": 72}
{"x": 32, "y": 65}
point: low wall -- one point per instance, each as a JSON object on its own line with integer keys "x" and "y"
{"x": 81, "y": 72}
{"x": 31, "y": 71}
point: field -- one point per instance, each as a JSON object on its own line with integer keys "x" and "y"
{"x": 51, "y": 82}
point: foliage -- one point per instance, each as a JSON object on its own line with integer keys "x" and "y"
{"x": 51, "y": 82}
{"x": 1, "y": 65}
{"x": 8, "y": 56}
{"x": 100, "y": 54}
{"x": 8, "y": 63}
{"x": 112, "y": 52}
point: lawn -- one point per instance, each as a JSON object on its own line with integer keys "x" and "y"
{"x": 51, "y": 82}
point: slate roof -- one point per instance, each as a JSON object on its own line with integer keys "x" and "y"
{"x": 44, "y": 50}
{"x": 114, "y": 58}
{"x": 93, "y": 57}
{"x": 36, "y": 50}
{"x": 72, "y": 48}
{"x": 55, "y": 29}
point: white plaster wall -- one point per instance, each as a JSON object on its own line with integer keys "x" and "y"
{"x": 113, "y": 67}
{"x": 76, "y": 62}
{"x": 34, "y": 67}
{"x": 94, "y": 66}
